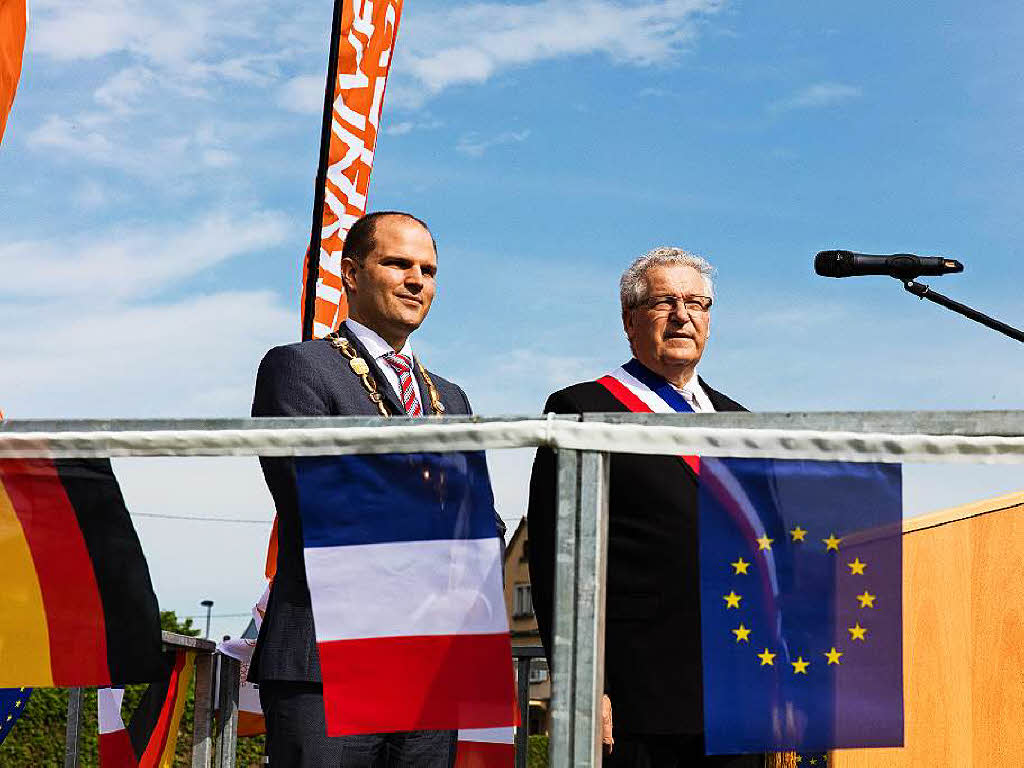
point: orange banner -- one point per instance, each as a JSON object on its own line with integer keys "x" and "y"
{"x": 364, "y": 33}
{"x": 13, "y": 21}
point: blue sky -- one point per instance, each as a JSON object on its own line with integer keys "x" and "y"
{"x": 156, "y": 183}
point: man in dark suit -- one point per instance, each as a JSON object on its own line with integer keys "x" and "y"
{"x": 652, "y": 630}
{"x": 366, "y": 368}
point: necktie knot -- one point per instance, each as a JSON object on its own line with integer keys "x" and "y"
{"x": 399, "y": 362}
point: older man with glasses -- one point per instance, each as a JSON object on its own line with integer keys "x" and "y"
{"x": 652, "y": 634}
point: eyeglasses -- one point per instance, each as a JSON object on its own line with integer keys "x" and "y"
{"x": 667, "y": 305}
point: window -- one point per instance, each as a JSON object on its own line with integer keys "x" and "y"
{"x": 538, "y": 671}
{"x": 522, "y": 604}
{"x": 525, "y": 556}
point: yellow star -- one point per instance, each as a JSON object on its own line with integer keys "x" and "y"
{"x": 858, "y": 632}
{"x": 799, "y": 758}
{"x": 800, "y": 666}
{"x": 831, "y": 543}
{"x": 741, "y": 566}
{"x": 764, "y": 543}
{"x": 833, "y": 655}
{"x": 867, "y": 600}
{"x": 814, "y": 761}
{"x": 732, "y": 600}
{"x": 798, "y": 533}
{"x": 767, "y": 658}
{"x": 742, "y": 633}
{"x": 857, "y": 567}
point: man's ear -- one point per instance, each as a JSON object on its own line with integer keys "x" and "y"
{"x": 348, "y": 274}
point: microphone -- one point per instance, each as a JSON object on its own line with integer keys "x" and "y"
{"x": 905, "y": 266}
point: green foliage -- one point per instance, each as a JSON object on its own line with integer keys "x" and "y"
{"x": 537, "y": 752}
{"x": 38, "y": 737}
{"x": 170, "y": 623}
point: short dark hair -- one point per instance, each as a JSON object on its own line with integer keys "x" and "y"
{"x": 360, "y": 240}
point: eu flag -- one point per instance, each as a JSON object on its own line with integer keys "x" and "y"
{"x": 12, "y": 706}
{"x": 801, "y": 605}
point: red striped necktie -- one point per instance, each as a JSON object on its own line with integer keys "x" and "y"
{"x": 403, "y": 367}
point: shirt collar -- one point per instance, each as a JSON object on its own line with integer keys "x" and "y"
{"x": 691, "y": 387}
{"x": 375, "y": 345}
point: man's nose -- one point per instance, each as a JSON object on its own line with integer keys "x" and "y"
{"x": 680, "y": 313}
{"x": 414, "y": 279}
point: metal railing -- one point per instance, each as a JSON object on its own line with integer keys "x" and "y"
{"x": 214, "y": 738}
{"x": 583, "y": 446}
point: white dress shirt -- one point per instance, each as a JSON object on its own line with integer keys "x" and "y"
{"x": 378, "y": 349}
{"x": 695, "y": 396}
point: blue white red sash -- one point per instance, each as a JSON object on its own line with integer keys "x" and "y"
{"x": 641, "y": 390}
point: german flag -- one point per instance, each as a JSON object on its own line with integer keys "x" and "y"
{"x": 152, "y": 735}
{"x": 78, "y": 607}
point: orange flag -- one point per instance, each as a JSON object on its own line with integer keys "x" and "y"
{"x": 362, "y": 42}
{"x": 13, "y": 21}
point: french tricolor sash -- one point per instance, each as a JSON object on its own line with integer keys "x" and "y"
{"x": 641, "y": 390}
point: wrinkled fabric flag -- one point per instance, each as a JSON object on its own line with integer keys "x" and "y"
{"x": 486, "y": 748}
{"x": 78, "y": 607}
{"x": 404, "y": 572}
{"x": 12, "y": 706}
{"x": 801, "y": 605}
{"x": 362, "y": 42}
{"x": 13, "y": 25}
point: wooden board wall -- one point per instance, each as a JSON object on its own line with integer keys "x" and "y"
{"x": 963, "y": 641}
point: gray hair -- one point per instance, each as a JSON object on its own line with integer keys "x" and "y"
{"x": 633, "y": 285}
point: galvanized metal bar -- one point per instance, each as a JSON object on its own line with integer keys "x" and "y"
{"x": 591, "y": 572}
{"x": 73, "y": 730}
{"x": 227, "y": 704}
{"x": 563, "y": 665}
{"x": 523, "y": 696}
{"x": 202, "y": 731}
{"x": 964, "y": 423}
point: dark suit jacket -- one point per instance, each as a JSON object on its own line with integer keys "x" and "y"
{"x": 311, "y": 378}
{"x": 652, "y": 629}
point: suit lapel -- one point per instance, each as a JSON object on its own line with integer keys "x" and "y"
{"x": 383, "y": 386}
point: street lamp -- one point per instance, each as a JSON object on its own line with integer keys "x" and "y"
{"x": 207, "y": 604}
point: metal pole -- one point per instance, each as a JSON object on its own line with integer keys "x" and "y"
{"x": 74, "y": 727}
{"x": 208, "y": 605}
{"x": 592, "y": 551}
{"x": 202, "y": 733}
{"x": 563, "y": 663}
{"x": 227, "y": 701}
{"x": 523, "y": 731}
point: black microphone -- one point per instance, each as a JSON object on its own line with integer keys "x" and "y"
{"x": 905, "y": 266}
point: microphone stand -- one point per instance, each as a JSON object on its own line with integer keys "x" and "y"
{"x": 922, "y": 291}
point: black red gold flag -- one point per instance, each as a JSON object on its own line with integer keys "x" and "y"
{"x": 78, "y": 607}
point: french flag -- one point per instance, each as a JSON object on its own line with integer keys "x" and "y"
{"x": 404, "y": 573}
{"x": 486, "y": 748}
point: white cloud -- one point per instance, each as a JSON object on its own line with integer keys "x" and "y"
{"x": 133, "y": 261}
{"x": 473, "y": 43}
{"x": 198, "y": 356}
{"x": 817, "y": 96}
{"x": 303, "y": 94}
{"x": 475, "y": 145}
{"x": 408, "y": 126}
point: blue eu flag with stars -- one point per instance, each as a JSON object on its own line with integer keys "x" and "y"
{"x": 801, "y": 605}
{"x": 12, "y": 706}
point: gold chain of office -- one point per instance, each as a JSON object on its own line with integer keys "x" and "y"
{"x": 361, "y": 369}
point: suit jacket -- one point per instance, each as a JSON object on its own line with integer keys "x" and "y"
{"x": 311, "y": 378}
{"x": 652, "y": 627}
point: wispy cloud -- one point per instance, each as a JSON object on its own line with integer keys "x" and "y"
{"x": 473, "y": 43}
{"x": 817, "y": 96}
{"x": 134, "y": 261}
{"x": 474, "y": 145}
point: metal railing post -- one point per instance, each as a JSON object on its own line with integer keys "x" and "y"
{"x": 227, "y": 703}
{"x": 523, "y": 696}
{"x": 580, "y": 566}
{"x": 74, "y": 727}
{"x": 592, "y": 557}
{"x": 202, "y": 732}
{"x": 563, "y": 667}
